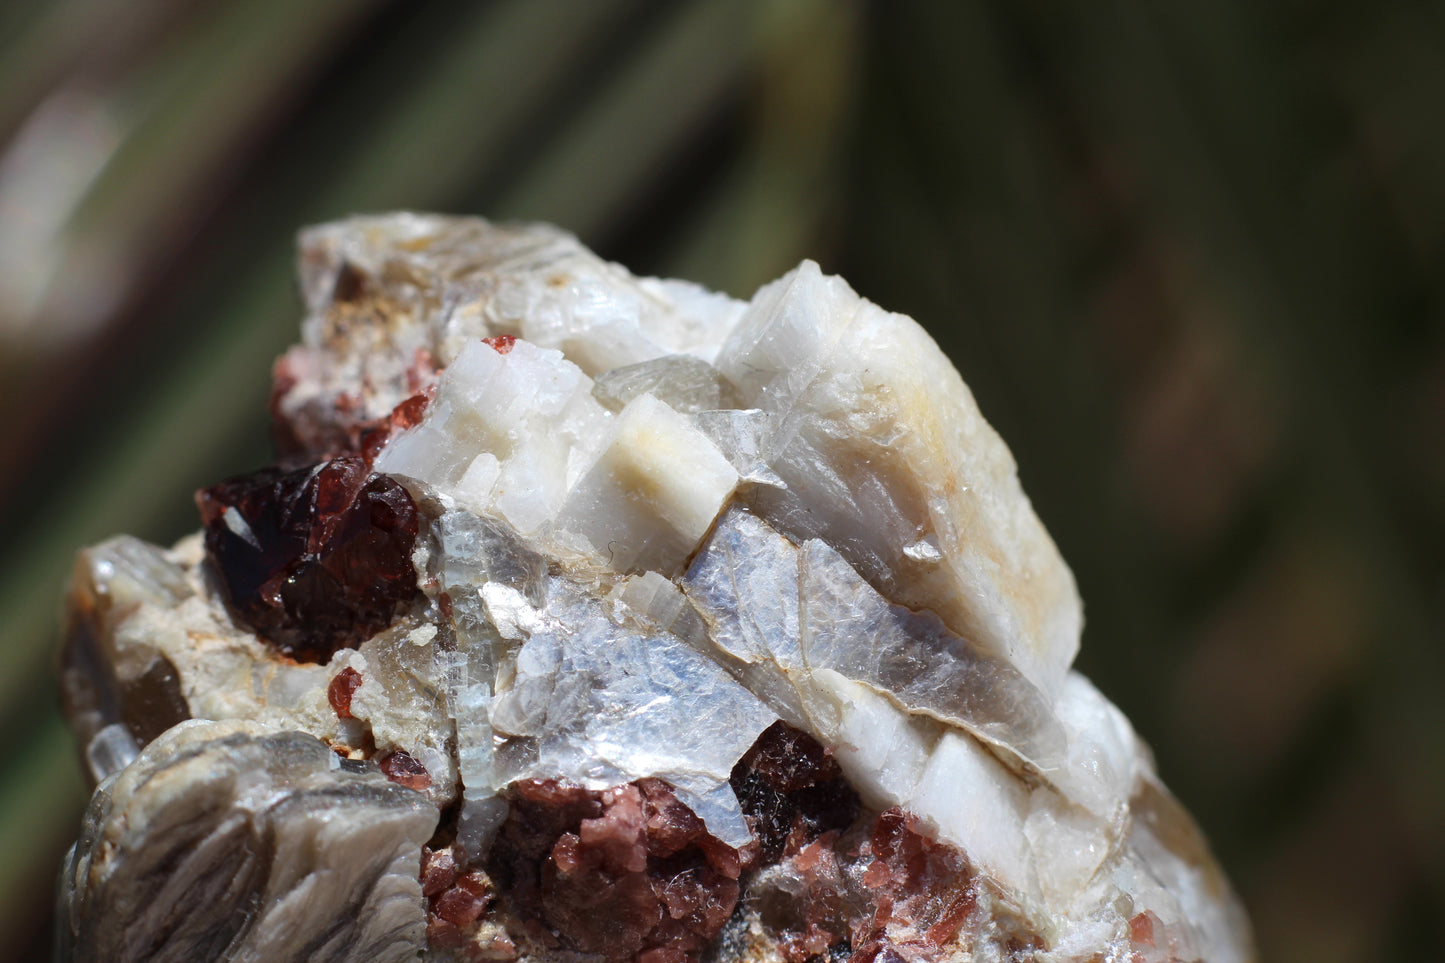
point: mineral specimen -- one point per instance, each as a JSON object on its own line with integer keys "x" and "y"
{"x": 593, "y": 618}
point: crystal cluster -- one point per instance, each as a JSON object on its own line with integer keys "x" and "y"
{"x": 595, "y": 618}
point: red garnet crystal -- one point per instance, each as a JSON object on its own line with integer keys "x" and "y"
{"x": 792, "y": 791}
{"x": 313, "y": 560}
{"x": 627, "y": 873}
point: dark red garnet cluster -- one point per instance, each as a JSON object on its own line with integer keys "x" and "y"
{"x": 314, "y": 559}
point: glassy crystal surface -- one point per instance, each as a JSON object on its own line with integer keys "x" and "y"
{"x": 314, "y": 559}
{"x": 587, "y": 618}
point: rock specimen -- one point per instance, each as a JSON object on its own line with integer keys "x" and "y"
{"x": 594, "y": 618}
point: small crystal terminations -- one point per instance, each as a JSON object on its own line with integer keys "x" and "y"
{"x": 595, "y": 618}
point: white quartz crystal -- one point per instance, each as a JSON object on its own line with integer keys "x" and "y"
{"x": 653, "y": 522}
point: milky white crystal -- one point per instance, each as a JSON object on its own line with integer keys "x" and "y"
{"x": 507, "y": 434}
{"x": 449, "y": 281}
{"x": 653, "y": 492}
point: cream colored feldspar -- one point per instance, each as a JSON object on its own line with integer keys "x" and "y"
{"x": 886, "y": 456}
{"x": 653, "y": 493}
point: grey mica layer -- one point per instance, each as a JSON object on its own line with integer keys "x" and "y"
{"x": 772, "y": 606}
{"x": 686, "y": 384}
{"x": 226, "y": 842}
{"x": 607, "y": 701}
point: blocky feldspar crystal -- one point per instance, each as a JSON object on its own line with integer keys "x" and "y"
{"x": 589, "y": 618}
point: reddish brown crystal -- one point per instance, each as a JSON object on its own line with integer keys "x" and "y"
{"x": 792, "y": 791}
{"x": 312, "y": 560}
{"x": 439, "y": 870}
{"x": 443, "y": 935}
{"x": 373, "y": 436}
{"x": 464, "y": 902}
{"x": 402, "y": 769}
{"x": 822, "y": 906}
{"x": 924, "y": 891}
{"x": 457, "y": 902}
{"x": 340, "y": 691}
{"x": 1141, "y": 929}
{"x": 501, "y": 343}
{"x": 1150, "y": 940}
{"x": 628, "y": 873}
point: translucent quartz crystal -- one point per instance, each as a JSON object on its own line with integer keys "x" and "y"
{"x": 596, "y": 618}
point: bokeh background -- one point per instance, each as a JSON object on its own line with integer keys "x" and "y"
{"x": 1188, "y": 255}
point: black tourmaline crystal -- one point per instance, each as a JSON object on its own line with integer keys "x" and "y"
{"x": 313, "y": 560}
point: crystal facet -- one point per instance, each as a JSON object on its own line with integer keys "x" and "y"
{"x": 591, "y": 618}
{"x": 312, "y": 560}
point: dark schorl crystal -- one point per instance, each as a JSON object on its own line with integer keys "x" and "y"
{"x": 312, "y": 560}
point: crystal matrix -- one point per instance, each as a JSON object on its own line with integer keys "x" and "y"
{"x": 589, "y": 617}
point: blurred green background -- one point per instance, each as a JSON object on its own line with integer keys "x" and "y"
{"x": 1188, "y": 255}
